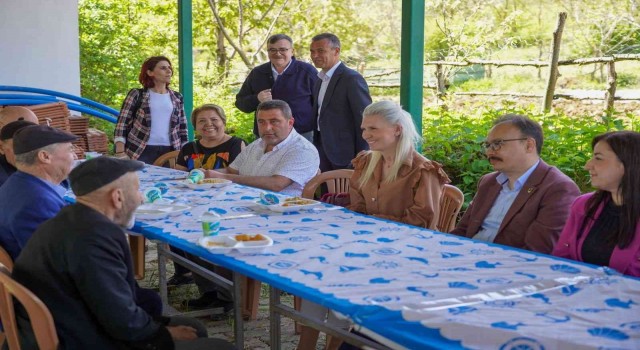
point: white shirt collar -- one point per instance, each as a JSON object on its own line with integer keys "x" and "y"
{"x": 282, "y": 143}
{"x": 275, "y": 72}
{"x": 327, "y": 76}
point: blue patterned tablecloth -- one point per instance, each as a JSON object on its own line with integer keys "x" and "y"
{"x": 418, "y": 288}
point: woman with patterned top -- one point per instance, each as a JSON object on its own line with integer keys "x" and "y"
{"x": 151, "y": 121}
{"x": 604, "y": 226}
{"x": 213, "y": 148}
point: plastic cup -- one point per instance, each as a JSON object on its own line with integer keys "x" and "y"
{"x": 163, "y": 187}
{"x": 195, "y": 176}
{"x": 269, "y": 198}
{"x": 152, "y": 194}
{"x": 210, "y": 224}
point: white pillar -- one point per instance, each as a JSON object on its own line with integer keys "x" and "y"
{"x": 39, "y": 44}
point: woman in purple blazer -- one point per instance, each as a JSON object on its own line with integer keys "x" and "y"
{"x": 604, "y": 226}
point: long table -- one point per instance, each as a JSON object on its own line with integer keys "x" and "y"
{"x": 410, "y": 287}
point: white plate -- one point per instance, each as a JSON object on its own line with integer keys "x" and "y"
{"x": 220, "y": 182}
{"x": 201, "y": 186}
{"x": 159, "y": 211}
{"x": 284, "y": 207}
{"x": 206, "y": 185}
{"x": 222, "y": 243}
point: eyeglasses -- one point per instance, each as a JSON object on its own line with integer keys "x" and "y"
{"x": 497, "y": 144}
{"x": 281, "y": 50}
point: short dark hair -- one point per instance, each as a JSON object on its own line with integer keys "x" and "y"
{"x": 333, "y": 39}
{"x": 527, "y": 127}
{"x": 277, "y": 37}
{"x": 149, "y": 64}
{"x": 275, "y": 104}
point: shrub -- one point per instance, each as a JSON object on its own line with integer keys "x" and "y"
{"x": 626, "y": 80}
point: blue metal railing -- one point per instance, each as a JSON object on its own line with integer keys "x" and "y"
{"x": 34, "y": 96}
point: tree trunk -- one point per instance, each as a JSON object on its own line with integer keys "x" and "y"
{"x": 440, "y": 76}
{"x": 221, "y": 53}
{"x": 553, "y": 67}
{"x": 610, "y": 94}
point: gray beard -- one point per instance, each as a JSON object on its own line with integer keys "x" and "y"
{"x": 132, "y": 221}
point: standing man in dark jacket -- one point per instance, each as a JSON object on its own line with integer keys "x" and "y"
{"x": 282, "y": 78}
{"x": 339, "y": 97}
{"x": 79, "y": 264}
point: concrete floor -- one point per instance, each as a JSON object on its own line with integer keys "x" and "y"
{"x": 220, "y": 326}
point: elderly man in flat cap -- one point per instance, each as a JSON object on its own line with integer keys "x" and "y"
{"x": 8, "y": 160}
{"x": 79, "y": 264}
{"x": 44, "y": 157}
{"x": 34, "y": 194}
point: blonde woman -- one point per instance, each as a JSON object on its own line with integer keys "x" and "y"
{"x": 392, "y": 181}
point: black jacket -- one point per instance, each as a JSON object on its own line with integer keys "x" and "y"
{"x": 79, "y": 264}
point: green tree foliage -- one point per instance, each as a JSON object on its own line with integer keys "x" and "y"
{"x": 229, "y": 39}
{"x": 117, "y": 35}
{"x": 237, "y": 34}
{"x": 603, "y": 27}
{"x": 474, "y": 28}
{"x": 115, "y": 38}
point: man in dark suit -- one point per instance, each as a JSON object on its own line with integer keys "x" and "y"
{"x": 525, "y": 202}
{"x": 339, "y": 97}
{"x": 79, "y": 264}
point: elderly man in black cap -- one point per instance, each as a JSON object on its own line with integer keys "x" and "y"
{"x": 79, "y": 264}
{"x": 8, "y": 159}
{"x": 35, "y": 194}
{"x": 44, "y": 157}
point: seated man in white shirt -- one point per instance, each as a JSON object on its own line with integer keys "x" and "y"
{"x": 280, "y": 160}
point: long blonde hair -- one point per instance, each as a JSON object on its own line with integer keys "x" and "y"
{"x": 393, "y": 114}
